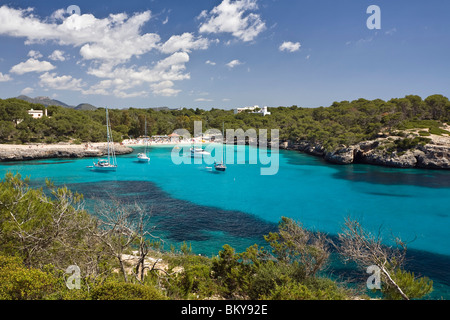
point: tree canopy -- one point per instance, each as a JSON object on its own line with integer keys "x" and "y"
{"x": 342, "y": 123}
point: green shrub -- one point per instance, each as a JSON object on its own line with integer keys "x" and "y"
{"x": 20, "y": 283}
{"x": 126, "y": 291}
{"x": 313, "y": 289}
{"x": 414, "y": 288}
{"x": 408, "y": 143}
{"x": 438, "y": 131}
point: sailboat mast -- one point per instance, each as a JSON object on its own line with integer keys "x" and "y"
{"x": 224, "y": 148}
{"x": 108, "y": 134}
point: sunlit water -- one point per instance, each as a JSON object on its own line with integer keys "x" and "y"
{"x": 208, "y": 209}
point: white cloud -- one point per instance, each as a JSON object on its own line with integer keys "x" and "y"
{"x": 164, "y": 88}
{"x": 108, "y": 45}
{"x": 27, "y": 91}
{"x": 114, "y": 39}
{"x": 160, "y": 77}
{"x": 52, "y": 81}
{"x": 203, "y": 100}
{"x": 233, "y": 17}
{"x": 35, "y": 54}
{"x": 4, "y": 77}
{"x": 32, "y": 65}
{"x": 391, "y": 31}
{"x": 57, "y": 55}
{"x": 233, "y": 63}
{"x": 171, "y": 68}
{"x": 290, "y": 46}
{"x": 124, "y": 95}
{"x": 185, "y": 42}
{"x": 212, "y": 63}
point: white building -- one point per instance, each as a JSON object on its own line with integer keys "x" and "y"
{"x": 254, "y": 110}
{"x": 36, "y": 114}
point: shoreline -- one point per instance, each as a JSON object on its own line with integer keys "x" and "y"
{"x": 434, "y": 155}
{"x": 16, "y": 152}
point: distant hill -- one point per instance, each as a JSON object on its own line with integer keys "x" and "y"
{"x": 85, "y": 106}
{"x": 46, "y": 101}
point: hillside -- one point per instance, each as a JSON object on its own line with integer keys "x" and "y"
{"x": 46, "y": 101}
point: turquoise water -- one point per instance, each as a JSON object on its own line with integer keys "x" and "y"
{"x": 208, "y": 209}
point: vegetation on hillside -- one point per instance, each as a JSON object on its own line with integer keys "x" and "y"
{"x": 44, "y": 231}
{"x": 342, "y": 123}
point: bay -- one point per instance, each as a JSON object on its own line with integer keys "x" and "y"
{"x": 208, "y": 209}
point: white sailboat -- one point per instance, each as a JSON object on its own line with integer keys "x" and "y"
{"x": 143, "y": 157}
{"x": 109, "y": 164}
{"x": 220, "y": 166}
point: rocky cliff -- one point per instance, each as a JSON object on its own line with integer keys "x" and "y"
{"x": 43, "y": 151}
{"x": 433, "y": 152}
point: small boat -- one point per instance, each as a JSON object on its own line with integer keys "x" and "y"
{"x": 219, "y": 166}
{"x": 110, "y": 163}
{"x": 199, "y": 152}
{"x": 104, "y": 165}
{"x": 143, "y": 157}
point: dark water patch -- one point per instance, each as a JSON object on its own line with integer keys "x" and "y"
{"x": 386, "y": 176}
{"x": 375, "y": 174}
{"x": 33, "y": 163}
{"x": 181, "y": 220}
{"x": 383, "y": 194}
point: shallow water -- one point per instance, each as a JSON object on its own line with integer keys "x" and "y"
{"x": 194, "y": 204}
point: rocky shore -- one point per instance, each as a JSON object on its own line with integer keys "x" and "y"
{"x": 435, "y": 154}
{"x": 65, "y": 150}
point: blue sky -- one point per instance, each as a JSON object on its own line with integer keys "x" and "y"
{"x": 223, "y": 53}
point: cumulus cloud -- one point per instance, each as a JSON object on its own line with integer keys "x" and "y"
{"x": 114, "y": 39}
{"x": 160, "y": 76}
{"x": 52, "y": 81}
{"x": 185, "y": 42}
{"x": 34, "y": 54}
{"x": 233, "y": 17}
{"x": 290, "y": 46}
{"x": 32, "y": 65}
{"x": 211, "y": 63}
{"x": 233, "y": 63}
{"x": 164, "y": 88}
{"x": 57, "y": 55}
{"x": 4, "y": 77}
{"x": 27, "y": 91}
{"x": 107, "y": 45}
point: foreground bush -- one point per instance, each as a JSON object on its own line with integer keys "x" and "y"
{"x": 126, "y": 291}
{"x": 20, "y": 283}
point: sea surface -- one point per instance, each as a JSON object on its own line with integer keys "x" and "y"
{"x": 194, "y": 204}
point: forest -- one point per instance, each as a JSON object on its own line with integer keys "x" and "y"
{"x": 342, "y": 123}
